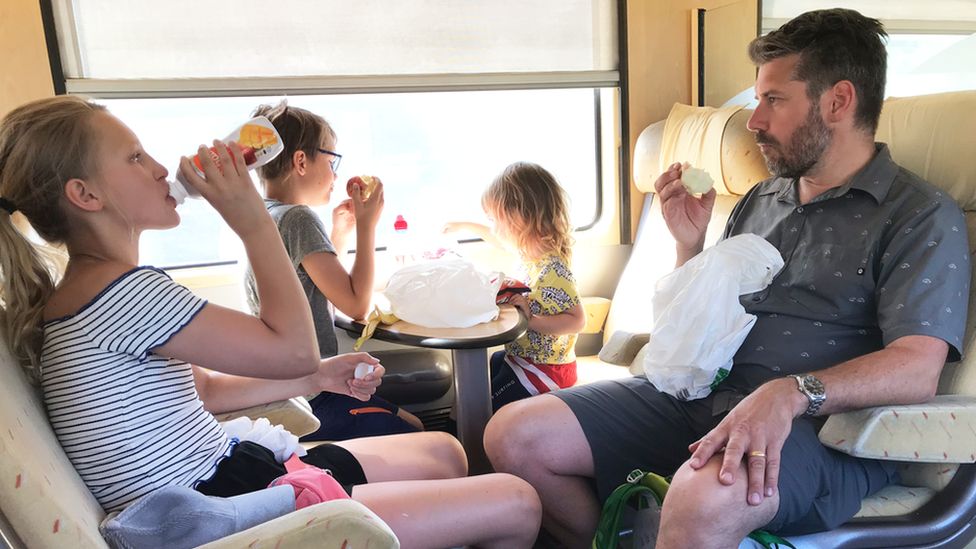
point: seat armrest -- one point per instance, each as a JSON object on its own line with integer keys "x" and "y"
{"x": 337, "y": 523}
{"x": 622, "y": 347}
{"x": 942, "y": 430}
{"x": 294, "y": 414}
{"x": 596, "y": 309}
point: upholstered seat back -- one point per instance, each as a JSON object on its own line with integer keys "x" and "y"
{"x": 41, "y": 496}
{"x": 933, "y": 136}
{"x": 714, "y": 139}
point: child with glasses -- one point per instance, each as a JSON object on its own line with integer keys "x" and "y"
{"x": 529, "y": 212}
{"x": 111, "y": 343}
{"x": 304, "y": 175}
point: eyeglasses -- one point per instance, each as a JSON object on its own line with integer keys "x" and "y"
{"x": 335, "y": 161}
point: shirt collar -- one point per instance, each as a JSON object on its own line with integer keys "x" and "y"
{"x": 875, "y": 179}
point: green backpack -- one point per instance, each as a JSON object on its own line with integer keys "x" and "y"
{"x": 645, "y": 492}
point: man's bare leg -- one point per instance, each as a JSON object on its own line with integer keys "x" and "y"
{"x": 540, "y": 440}
{"x": 699, "y": 511}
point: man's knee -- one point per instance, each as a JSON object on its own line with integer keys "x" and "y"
{"x": 696, "y": 495}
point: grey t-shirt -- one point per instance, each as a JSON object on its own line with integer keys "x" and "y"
{"x": 303, "y": 233}
{"x": 882, "y": 257}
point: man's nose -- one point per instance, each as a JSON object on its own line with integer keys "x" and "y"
{"x": 756, "y": 121}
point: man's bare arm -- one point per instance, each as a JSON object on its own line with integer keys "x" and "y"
{"x": 905, "y": 372}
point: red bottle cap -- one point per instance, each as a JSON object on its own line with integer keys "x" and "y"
{"x": 400, "y": 224}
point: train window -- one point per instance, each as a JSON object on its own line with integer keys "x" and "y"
{"x": 430, "y": 149}
{"x": 433, "y": 96}
{"x": 931, "y": 45}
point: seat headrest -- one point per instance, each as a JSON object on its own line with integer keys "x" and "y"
{"x": 935, "y": 137}
{"x": 931, "y": 135}
{"x": 715, "y": 140}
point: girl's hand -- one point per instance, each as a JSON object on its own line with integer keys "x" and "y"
{"x": 343, "y": 218}
{"x": 226, "y": 185}
{"x": 522, "y": 303}
{"x": 367, "y": 211}
{"x": 338, "y": 375}
{"x": 452, "y": 227}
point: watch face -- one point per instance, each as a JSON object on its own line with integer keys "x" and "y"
{"x": 813, "y": 385}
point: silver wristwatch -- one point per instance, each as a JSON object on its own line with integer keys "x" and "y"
{"x": 813, "y": 389}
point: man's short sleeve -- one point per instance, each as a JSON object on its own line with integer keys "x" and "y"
{"x": 303, "y": 233}
{"x": 923, "y": 285}
{"x": 140, "y": 311}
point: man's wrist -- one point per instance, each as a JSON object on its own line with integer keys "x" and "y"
{"x": 798, "y": 401}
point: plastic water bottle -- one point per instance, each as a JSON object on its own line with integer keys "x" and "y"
{"x": 259, "y": 142}
{"x": 400, "y": 244}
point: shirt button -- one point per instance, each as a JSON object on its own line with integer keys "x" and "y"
{"x": 799, "y": 210}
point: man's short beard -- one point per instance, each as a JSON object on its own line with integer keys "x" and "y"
{"x": 804, "y": 150}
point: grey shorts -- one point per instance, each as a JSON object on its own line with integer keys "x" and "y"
{"x": 630, "y": 425}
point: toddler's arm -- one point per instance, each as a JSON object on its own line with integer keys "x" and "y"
{"x": 570, "y": 321}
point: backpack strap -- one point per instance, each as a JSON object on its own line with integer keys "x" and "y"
{"x": 638, "y": 484}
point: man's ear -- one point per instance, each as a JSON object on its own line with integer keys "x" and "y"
{"x": 83, "y": 194}
{"x": 300, "y": 161}
{"x": 841, "y": 102}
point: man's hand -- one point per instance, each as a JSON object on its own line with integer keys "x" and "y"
{"x": 338, "y": 375}
{"x": 686, "y": 216}
{"x": 756, "y": 430}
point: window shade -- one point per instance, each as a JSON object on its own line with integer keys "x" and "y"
{"x": 121, "y": 39}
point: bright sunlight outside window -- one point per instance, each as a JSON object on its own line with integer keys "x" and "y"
{"x": 430, "y": 150}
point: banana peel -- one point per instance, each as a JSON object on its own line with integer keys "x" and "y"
{"x": 375, "y": 318}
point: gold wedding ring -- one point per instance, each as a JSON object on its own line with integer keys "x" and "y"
{"x": 757, "y": 454}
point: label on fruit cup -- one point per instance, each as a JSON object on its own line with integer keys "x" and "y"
{"x": 259, "y": 142}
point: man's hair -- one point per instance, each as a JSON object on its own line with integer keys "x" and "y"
{"x": 833, "y": 45}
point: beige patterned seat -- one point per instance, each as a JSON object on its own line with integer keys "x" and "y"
{"x": 44, "y": 504}
{"x": 933, "y": 136}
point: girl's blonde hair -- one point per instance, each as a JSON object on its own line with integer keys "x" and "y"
{"x": 43, "y": 144}
{"x": 300, "y": 130}
{"x": 536, "y": 209}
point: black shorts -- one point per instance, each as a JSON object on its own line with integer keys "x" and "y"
{"x": 629, "y": 424}
{"x": 251, "y": 467}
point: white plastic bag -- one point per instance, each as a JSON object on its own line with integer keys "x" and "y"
{"x": 699, "y": 323}
{"x": 447, "y": 293}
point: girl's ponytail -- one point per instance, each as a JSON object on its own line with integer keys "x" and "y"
{"x": 27, "y": 278}
{"x": 43, "y": 144}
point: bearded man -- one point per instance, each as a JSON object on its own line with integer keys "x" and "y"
{"x": 860, "y": 315}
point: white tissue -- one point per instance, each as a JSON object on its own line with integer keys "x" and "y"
{"x": 363, "y": 369}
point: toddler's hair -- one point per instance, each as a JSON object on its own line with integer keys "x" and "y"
{"x": 536, "y": 208}
{"x": 300, "y": 130}
{"x": 43, "y": 145}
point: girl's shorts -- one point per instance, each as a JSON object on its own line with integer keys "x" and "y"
{"x": 251, "y": 467}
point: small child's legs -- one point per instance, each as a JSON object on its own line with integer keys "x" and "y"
{"x": 505, "y": 385}
{"x": 515, "y": 378}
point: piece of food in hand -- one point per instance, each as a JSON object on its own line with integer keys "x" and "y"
{"x": 366, "y": 182}
{"x": 363, "y": 369}
{"x": 695, "y": 180}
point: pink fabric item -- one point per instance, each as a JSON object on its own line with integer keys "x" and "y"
{"x": 311, "y": 484}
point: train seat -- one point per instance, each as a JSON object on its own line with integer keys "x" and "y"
{"x": 44, "y": 503}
